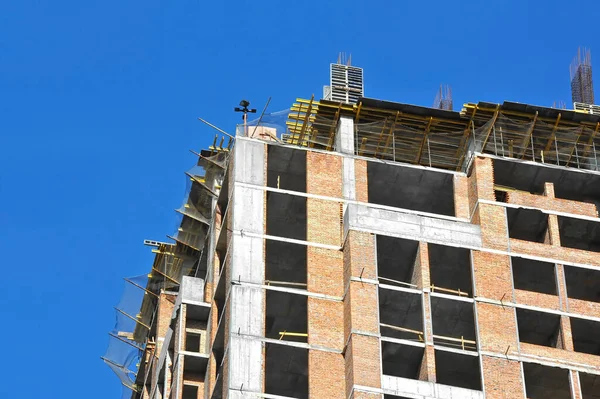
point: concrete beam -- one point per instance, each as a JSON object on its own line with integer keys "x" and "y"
{"x": 424, "y": 390}
{"x": 411, "y": 226}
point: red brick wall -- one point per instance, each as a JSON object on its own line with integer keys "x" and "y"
{"x": 493, "y": 278}
{"x": 361, "y": 181}
{"x": 497, "y": 328}
{"x": 502, "y": 378}
{"x": 326, "y": 375}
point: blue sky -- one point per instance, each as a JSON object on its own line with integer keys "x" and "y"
{"x": 98, "y": 108}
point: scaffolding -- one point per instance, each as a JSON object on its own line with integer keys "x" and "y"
{"x": 446, "y": 139}
{"x": 131, "y": 349}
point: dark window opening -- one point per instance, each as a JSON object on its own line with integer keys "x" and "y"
{"x": 579, "y": 234}
{"x": 286, "y": 168}
{"x": 590, "y": 385}
{"x": 582, "y": 283}
{"x": 453, "y": 323}
{"x": 189, "y": 392}
{"x": 286, "y": 313}
{"x": 396, "y": 259}
{"x": 538, "y": 328}
{"x": 286, "y": 371}
{"x": 410, "y": 188}
{"x": 401, "y": 360}
{"x": 457, "y": 370}
{"x": 450, "y": 270}
{"x": 285, "y": 263}
{"x": 401, "y": 314}
{"x": 527, "y": 224}
{"x": 192, "y": 342}
{"x": 586, "y": 336}
{"x": 286, "y": 215}
{"x": 543, "y": 382}
{"x": 534, "y": 275}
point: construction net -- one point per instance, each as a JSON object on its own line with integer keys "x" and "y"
{"x": 136, "y": 310}
{"x": 538, "y": 141}
{"x": 128, "y": 337}
{"x": 270, "y": 126}
{"x": 403, "y": 143}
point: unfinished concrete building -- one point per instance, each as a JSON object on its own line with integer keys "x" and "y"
{"x": 380, "y": 250}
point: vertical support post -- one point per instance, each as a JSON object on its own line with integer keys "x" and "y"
{"x": 344, "y": 143}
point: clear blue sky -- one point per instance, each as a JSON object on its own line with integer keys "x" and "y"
{"x": 98, "y": 108}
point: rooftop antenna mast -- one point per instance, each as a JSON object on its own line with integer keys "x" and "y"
{"x": 582, "y": 86}
{"x": 244, "y": 104}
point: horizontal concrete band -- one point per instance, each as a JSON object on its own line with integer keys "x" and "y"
{"x": 425, "y": 390}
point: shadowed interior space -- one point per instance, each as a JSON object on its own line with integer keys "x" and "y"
{"x": 286, "y": 313}
{"x": 450, "y": 269}
{"x": 410, "y": 188}
{"x": 527, "y": 224}
{"x": 395, "y": 259}
{"x": 538, "y": 328}
{"x": 401, "y": 314}
{"x": 286, "y": 371}
{"x": 579, "y": 234}
{"x": 590, "y": 385}
{"x": 453, "y": 322}
{"x": 286, "y": 168}
{"x": 534, "y": 275}
{"x": 401, "y": 360}
{"x": 286, "y": 216}
{"x": 586, "y": 335}
{"x": 285, "y": 264}
{"x": 582, "y": 283}
{"x": 189, "y": 392}
{"x": 457, "y": 370}
{"x": 568, "y": 184}
{"x": 543, "y": 382}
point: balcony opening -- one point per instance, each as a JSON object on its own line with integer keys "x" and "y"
{"x": 579, "y": 234}
{"x": 534, "y": 275}
{"x": 401, "y": 360}
{"x": 527, "y": 224}
{"x": 411, "y": 188}
{"x": 586, "y": 336}
{"x": 401, "y": 314}
{"x": 457, "y": 370}
{"x": 286, "y": 316}
{"x": 450, "y": 270}
{"x": 538, "y": 328}
{"x": 590, "y": 385}
{"x": 543, "y": 382}
{"x": 582, "y": 283}
{"x": 286, "y": 371}
{"x": 396, "y": 260}
{"x": 286, "y": 168}
{"x": 453, "y": 323}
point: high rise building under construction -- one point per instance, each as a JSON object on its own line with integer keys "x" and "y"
{"x": 374, "y": 249}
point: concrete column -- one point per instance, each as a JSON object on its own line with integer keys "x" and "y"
{"x": 421, "y": 278}
{"x": 344, "y": 143}
{"x": 245, "y": 357}
{"x": 361, "y": 317}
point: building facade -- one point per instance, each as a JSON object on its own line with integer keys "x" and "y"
{"x": 383, "y": 250}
